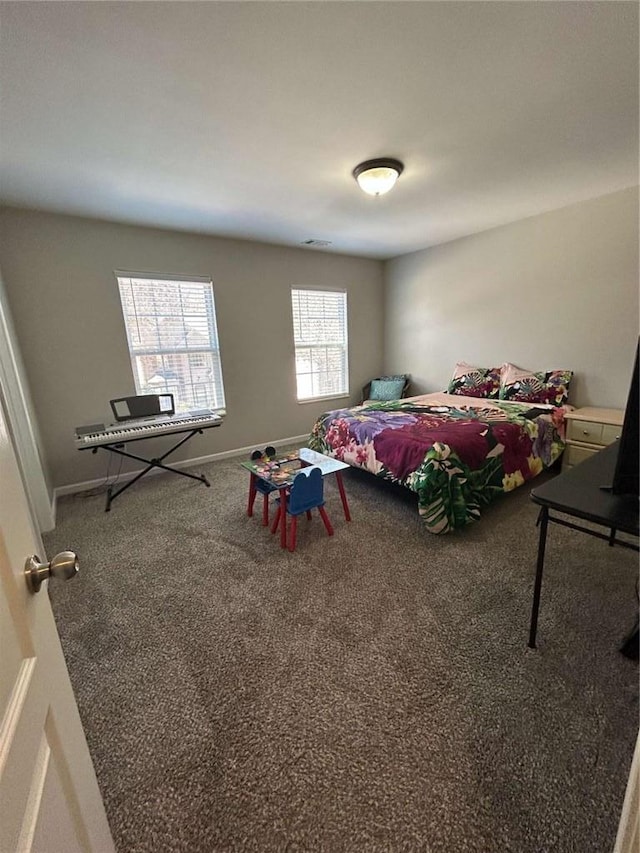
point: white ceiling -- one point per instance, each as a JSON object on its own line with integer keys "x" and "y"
{"x": 245, "y": 119}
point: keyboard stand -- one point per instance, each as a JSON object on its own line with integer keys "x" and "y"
{"x": 117, "y": 447}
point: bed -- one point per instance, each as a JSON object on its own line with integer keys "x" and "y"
{"x": 458, "y": 453}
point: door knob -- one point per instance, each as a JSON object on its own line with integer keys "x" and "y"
{"x": 64, "y": 566}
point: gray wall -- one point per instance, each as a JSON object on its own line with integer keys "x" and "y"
{"x": 556, "y": 290}
{"x": 59, "y": 276}
{"x": 559, "y": 290}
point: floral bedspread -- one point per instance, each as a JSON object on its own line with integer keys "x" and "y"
{"x": 457, "y": 458}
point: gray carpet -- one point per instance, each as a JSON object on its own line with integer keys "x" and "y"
{"x": 371, "y": 692}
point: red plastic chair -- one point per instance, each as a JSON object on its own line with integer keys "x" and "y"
{"x": 306, "y": 493}
{"x": 256, "y": 485}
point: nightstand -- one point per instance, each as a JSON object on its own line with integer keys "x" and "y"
{"x": 588, "y": 431}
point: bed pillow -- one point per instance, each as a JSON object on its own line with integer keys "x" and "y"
{"x": 525, "y": 386}
{"x": 387, "y": 388}
{"x": 470, "y": 381}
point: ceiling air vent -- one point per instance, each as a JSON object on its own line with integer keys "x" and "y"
{"x": 319, "y": 244}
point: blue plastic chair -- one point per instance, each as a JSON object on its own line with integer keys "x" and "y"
{"x": 306, "y": 493}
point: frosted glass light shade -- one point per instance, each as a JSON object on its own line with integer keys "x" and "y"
{"x": 377, "y": 177}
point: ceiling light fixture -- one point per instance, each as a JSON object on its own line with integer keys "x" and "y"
{"x": 377, "y": 177}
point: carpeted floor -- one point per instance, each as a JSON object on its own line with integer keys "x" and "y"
{"x": 371, "y": 692}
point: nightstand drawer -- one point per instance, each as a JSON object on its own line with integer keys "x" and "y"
{"x": 573, "y": 454}
{"x": 587, "y": 431}
{"x": 610, "y": 432}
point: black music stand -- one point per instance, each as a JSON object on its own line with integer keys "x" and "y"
{"x": 142, "y": 406}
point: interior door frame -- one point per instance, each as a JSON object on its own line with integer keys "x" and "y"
{"x": 21, "y": 421}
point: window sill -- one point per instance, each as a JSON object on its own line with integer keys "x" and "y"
{"x": 320, "y": 399}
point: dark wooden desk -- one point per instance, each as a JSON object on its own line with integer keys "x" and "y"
{"x": 578, "y": 493}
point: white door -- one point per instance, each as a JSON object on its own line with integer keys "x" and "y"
{"x": 49, "y": 797}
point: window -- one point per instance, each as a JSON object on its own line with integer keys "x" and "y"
{"x": 173, "y": 338}
{"x": 320, "y": 338}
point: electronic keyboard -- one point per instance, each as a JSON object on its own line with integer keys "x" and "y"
{"x": 145, "y": 428}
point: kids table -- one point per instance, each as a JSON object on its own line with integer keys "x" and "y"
{"x": 277, "y": 475}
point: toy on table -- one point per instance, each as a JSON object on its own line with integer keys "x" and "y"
{"x": 267, "y": 454}
{"x": 271, "y": 474}
{"x": 270, "y": 468}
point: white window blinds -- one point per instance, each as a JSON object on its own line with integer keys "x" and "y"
{"x": 173, "y": 339}
{"x": 320, "y": 338}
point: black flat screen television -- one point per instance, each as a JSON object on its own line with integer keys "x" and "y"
{"x": 626, "y": 476}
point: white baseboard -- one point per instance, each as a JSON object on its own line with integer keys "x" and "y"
{"x": 87, "y": 485}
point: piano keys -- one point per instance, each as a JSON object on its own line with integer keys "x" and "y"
{"x": 135, "y": 430}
